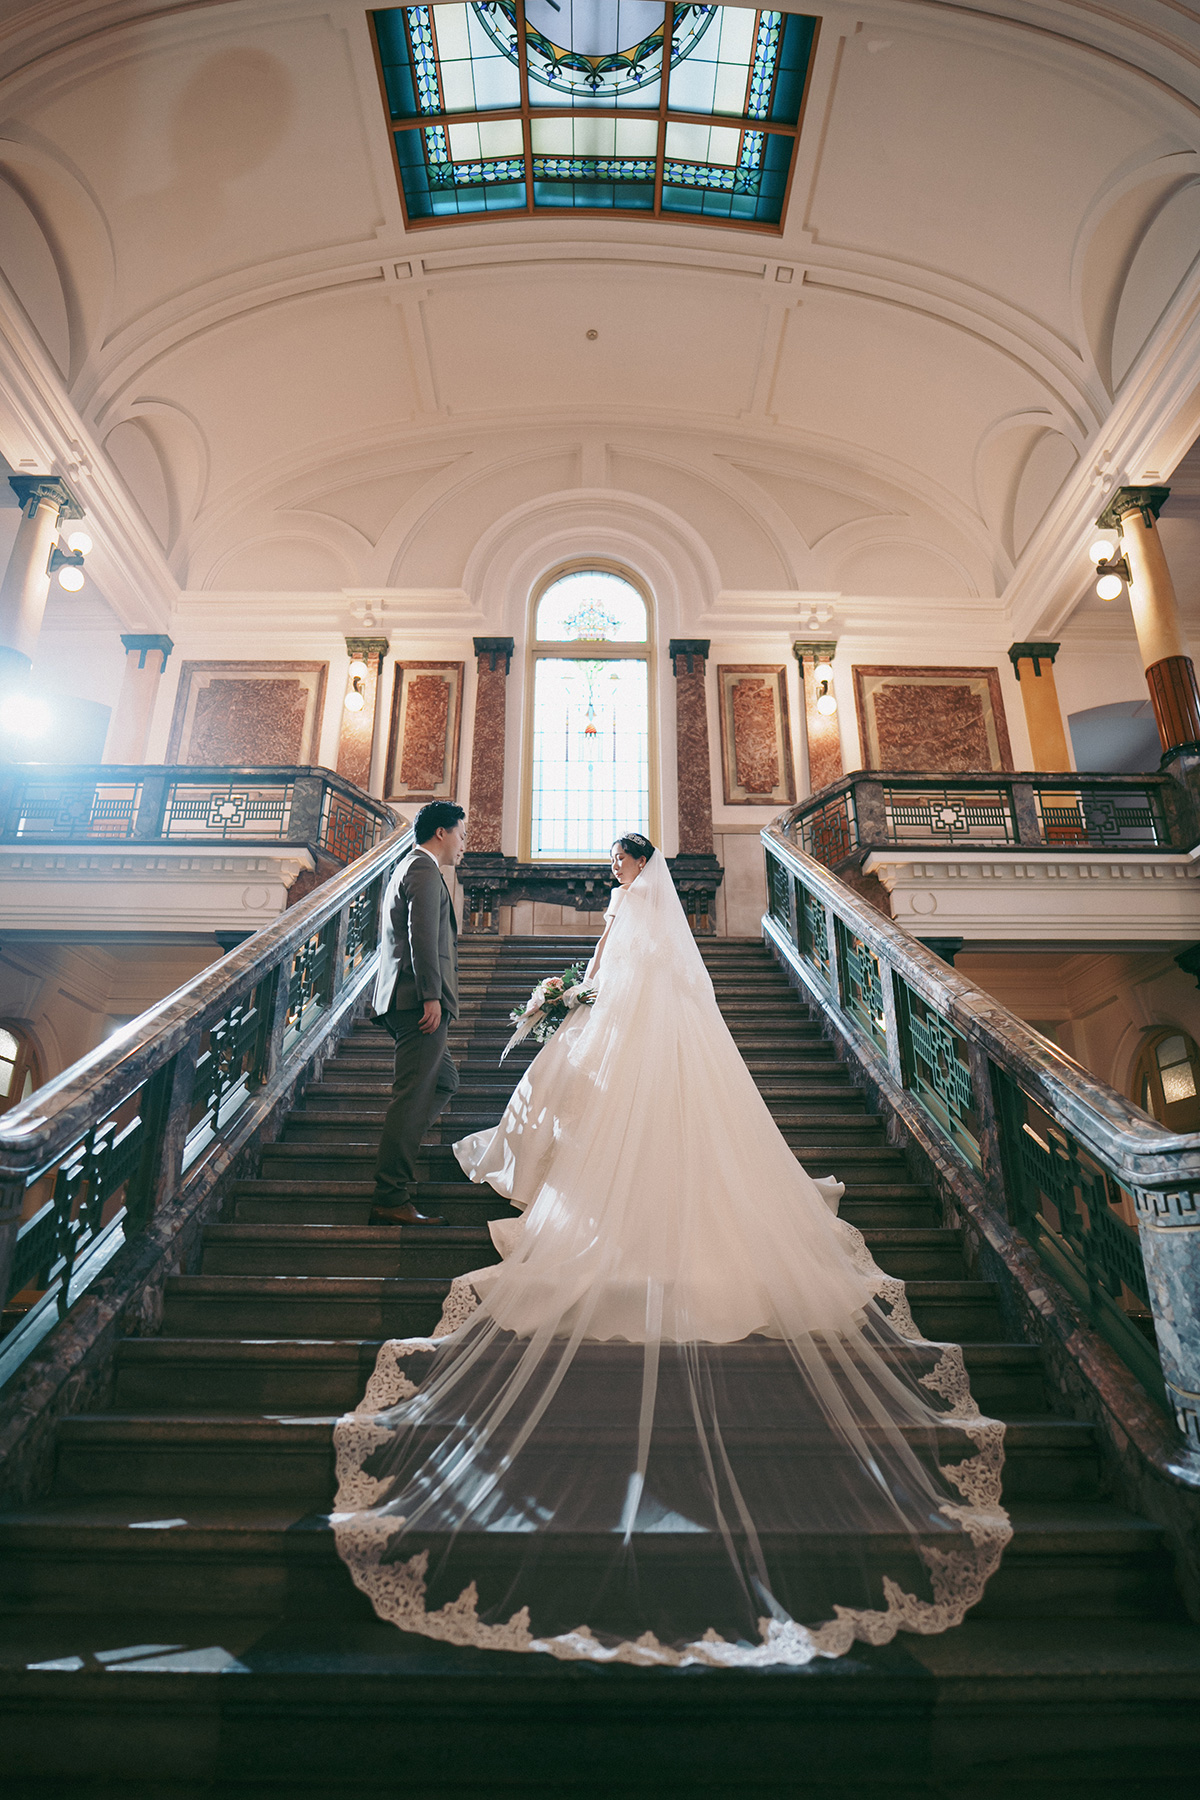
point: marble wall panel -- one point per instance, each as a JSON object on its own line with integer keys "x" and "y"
{"x": 694, "y": 777}
{"x": 943, "y": 721}
{"x": 485, "y": 818}
{"x": 756, "y": 744}
{"x": 247, "y": 713}
{"x": 422, "y": 762}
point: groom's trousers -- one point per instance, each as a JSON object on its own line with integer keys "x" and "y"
{"x": 424, "y": 1083}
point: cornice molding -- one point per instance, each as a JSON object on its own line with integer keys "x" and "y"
{"x": 127, "y": 562}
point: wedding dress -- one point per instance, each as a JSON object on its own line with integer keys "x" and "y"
{"x": 686, "y": 1419}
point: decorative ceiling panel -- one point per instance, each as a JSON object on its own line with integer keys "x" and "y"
{"x": 531, "y": 105}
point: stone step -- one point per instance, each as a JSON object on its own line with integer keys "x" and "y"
{"x": 425, "y": 1250}
{"x": 302, "y": 1306}
{"x": 329, "y": 1375}
{"x": 1001, "y": 1709}
{"x": 290, "y": 1457}
{"x": 395, "y": 1306}
{"x": 1080, "y": 1559}
{"x": 349, "y": 1203}
{"x": 320, "y": 1249}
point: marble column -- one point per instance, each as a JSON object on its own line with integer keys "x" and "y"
{"x": 696, "y": 870}
{"x": 1170, "y": 674}
{"x": 822, "y": 731}
{"x": 1033, "y": 665}
{"x": 46, "y": 501}
{"x": 484, "y": 868}
{"x": 360, "y": 726}
{"x": 129, "y": 727}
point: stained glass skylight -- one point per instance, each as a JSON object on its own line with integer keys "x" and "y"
{"x": 533, "y": 105}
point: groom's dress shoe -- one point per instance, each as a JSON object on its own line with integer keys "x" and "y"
{"x": 405, "y": 1214}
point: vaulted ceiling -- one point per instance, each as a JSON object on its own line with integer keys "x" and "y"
{"x": 981, "y": 313}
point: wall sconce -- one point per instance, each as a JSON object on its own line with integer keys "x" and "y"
{"x": 68, "y": 563}
{"x": 1113, "y": 570}
{"x": 823, "y": 677}
{"x": 355, "y": 698}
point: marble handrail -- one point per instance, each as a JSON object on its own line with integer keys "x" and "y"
{"x": 825, "y": 933}
{"x": 126, "y": 1129}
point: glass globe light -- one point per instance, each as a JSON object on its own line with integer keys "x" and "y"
{"x": 358, "y": 669}
{"x": 1103, "y": 550}
{"x": 354, "y": 701}
{"x": 79, "y": 540}
{"x": 823, "y": 672}
{"x": 1109, "y": 586}
{"x": 826, "y": 703}
{"x": 71, "y": 579}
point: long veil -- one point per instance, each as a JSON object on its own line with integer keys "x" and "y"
{"x": 687, "y": 1418}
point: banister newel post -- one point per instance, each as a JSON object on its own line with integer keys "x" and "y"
{"x": 12, "y": 1197}
{"x": 991, "y": 1153}
{"x": 1169, "y": 1233}
{"x": 1025, "y": 812}
{"x": 174, "y": 1111}
{"x": 870, "y": 815}
{"x": 308, "y": 794}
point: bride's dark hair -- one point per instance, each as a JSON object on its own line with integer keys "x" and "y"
{"x": 634, "y": 844}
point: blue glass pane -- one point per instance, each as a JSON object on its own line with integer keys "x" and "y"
{"x": 396, "y": 62}
{"x": 794, "y": 57}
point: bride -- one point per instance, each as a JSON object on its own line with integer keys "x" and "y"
{"x": 686, "y": 1419}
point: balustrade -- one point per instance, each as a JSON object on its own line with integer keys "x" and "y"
{"x": 144, "y": 1120}
{"x": 869, "y": 811}
{"x": 1107, "y": 1197}
{"x": 183, "y": 805}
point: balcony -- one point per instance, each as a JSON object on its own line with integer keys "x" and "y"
{"x": 998, "y": 860}
{"x": 167, "y": 849}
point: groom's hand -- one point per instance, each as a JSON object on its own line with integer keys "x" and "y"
{"x": 431, "y": 1017}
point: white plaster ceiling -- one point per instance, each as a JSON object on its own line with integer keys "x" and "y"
{"x": 982, "y": 314}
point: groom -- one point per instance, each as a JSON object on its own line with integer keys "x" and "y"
{"x": 416, "y": 996}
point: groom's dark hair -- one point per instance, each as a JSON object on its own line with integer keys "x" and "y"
{"x": 436, "y": 815}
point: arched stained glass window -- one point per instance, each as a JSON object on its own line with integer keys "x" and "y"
{"x": 591, "y": 718}
{"x": 591, "y": 605}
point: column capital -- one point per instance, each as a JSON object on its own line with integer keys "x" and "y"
{"x": 367, "y": 647}
{"x": 36, "y": 488}
{"x": 143, "y": 643}
{"x": 820, "y": 649}
{"x": 494, "y": 648}
{"x": 1037, "y": 654}
{"x": 1149, "y": 501}
{"x": 691, "y": 648}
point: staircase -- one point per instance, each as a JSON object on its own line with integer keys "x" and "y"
{"x": 184, "y": 1538}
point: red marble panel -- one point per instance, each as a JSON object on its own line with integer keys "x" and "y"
{"x": 247, "y": 712}
{"x": 485, "y": 816}
{"x": 249, "y": 722}
{"x": 423, "y": 761}
{"x": 694, "y": 768}
{"x": 756, "y": 749}
{"x": 932, "y": 720}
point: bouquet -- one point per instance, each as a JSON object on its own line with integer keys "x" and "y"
{"x": 551, "y": 1001}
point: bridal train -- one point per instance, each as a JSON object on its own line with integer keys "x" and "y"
{"x": 686, "y": 1419}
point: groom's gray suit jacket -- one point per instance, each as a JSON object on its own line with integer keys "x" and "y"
{"x": 419, "y": 955}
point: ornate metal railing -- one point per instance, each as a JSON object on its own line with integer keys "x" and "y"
{"x": 176, "y": 804}
{"x": 843, "y": 823}
{"x": 90, "y": 1159}
{"x": 1108, "y": 1198}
